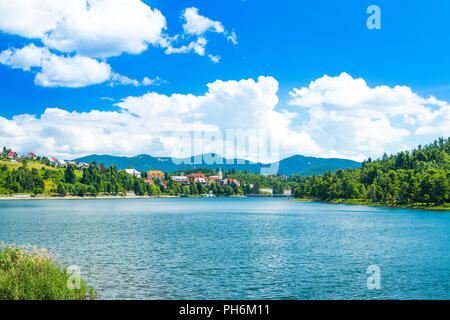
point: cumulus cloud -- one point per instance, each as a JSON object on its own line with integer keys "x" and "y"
{"x": 25, "y": 58}
{"x": 355, "y": 120}
{"x": 66, "y": 71}
{"x": 72, "y": 72}
{"x": 148, "y": 123}
{"x": 96, "y": 29}
{"x": 334, "y": 117}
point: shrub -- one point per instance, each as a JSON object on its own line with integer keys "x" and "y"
{"x": 29, "y": 273}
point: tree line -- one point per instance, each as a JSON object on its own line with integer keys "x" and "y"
{"x": 418, "y": 176}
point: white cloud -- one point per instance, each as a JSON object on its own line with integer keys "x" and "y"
{"x": 339, "y": 117}
{"x": 72, "y": 72}
{"x": 146, "y": 124}
{"x": 31, "y": 18}
{"x": 198, "y": 46}
{"x": 354, "y": 120}
{"x": 214, "y": 58}
{"x": 94, "y": 28}
{"x": 57, "y": 71}
{"x": 197, "y": 25}
{"x": 118, "y": 79}
{"x": 25, "y": 58}
{"x": 61, "y": 71}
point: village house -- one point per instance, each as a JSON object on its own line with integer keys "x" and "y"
{"x": 212, "y": 179}
{"x": 61, "y": 163}
{"x": 156, "y": 174}
{"x": 53, "y": 161}
{"x": 57, "y": 162}
{"x": 197, "y": 177}
{"x": 228, "y": 181}
{"x": 31, "y": 156}
{"x": 215, "y": 179}
{"x": 12, "y": 155}
{"x": 149, "y": 180}
{"x": 133, "y": 172}
{"x": 182, "y": 179}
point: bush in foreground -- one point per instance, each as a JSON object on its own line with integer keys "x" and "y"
{"x": 29, "y": 273}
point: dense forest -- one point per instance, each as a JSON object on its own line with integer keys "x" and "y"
{"x": 420, "y": 176}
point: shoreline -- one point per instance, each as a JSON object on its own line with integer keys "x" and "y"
{"x": 375, "y": 204}
{"x": 370, "y": 204}
{"x": 9, "y": 198}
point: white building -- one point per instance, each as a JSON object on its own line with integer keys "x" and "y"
{"x": 133, "y": 172}
{"x": 182, "y": 179}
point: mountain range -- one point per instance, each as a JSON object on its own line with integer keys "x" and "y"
{"x": 296, "y": 164}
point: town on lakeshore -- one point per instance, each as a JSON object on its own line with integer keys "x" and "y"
{"x": 417, "y": 179}
{"x": 208, "y": 183}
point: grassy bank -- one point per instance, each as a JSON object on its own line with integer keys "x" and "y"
{"x": 29, "y": 273}
{"x": 422, "y": 206}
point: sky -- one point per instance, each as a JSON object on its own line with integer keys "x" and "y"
{"x": 129, "y": 77}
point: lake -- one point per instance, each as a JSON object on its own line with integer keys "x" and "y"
{"x": 239, "y": 248}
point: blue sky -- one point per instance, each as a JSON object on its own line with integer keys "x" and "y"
{"x": 293, "y": 42}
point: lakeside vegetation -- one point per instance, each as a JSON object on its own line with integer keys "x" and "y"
{"x": 418, "y": 178}
{"x": 29, "y": 273}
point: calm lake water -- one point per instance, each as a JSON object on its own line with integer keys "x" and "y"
{"x": 229, "y": 248}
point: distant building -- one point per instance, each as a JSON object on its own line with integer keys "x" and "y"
{"x": 133, "y": 172}
{"x": 212, "y": 179}
{"x": 182, "y": 179}
{"x": 197, "y": 177}
{"x": 228, "y": 181}
{"x": 215, "y": 179}
{"x": 31, "y": 156}
{"x": 61, "y": 163}
{"x": 12, "y": 155}
{"x": 156, "y": 174}
{"x": 149, "y": 180}
{"x": 287, "y": 192}
{"x": 53, "y": 161}
{"x": 57, "y": 162}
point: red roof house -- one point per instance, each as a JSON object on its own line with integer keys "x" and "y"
{"x": 12, "y": 155}
{"x": 32, "y": 155}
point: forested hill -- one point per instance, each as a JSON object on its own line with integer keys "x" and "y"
{"x": 418, "y": 176}
{"x": 297, "y": 164}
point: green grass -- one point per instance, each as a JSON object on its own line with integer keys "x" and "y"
{"x": 30, "y": 165}
{"x": 29, "y": 273}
